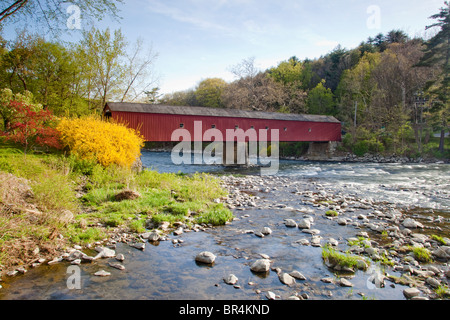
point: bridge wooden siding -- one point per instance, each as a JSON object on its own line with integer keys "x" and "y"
{"x": 157, "y": 122}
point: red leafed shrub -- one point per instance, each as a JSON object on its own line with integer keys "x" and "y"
{"x": 31, "y": 127}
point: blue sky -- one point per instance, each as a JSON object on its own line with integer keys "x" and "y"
{"x": 198, "y": 39}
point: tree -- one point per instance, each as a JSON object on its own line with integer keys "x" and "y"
{"x": 437, "y": 53}
{"x": 101, "y": 52}
{"x": 7, "y": 113}
{"x": 51, "y": 14}
{"x": 138, "y": 72}
{"x": 209, "y": 92}
{"x": 153, "y": 95}
{"x": 180, "y": 98}
{"x": 30, "y": 127}
{"x": 320, "y": 100}
{"x": 290, "y": 71}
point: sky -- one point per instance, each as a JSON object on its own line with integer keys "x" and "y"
{"x": 199, "y": 39}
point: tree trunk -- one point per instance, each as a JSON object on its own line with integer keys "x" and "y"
{"x": 442, "y": 140}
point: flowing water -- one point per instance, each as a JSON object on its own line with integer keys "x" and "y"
{"x": 167, "y": 271}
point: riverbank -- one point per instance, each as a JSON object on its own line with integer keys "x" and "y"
{"x": 51, "y": 205}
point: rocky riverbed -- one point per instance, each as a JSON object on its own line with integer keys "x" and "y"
{"x": 273, "y": 249}
{"x": 413, "y": 242}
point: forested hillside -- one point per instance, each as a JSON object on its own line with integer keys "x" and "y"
{"x": 390, "y": 92}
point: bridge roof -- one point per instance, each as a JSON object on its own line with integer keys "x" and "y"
{"x": 213, "y": 112}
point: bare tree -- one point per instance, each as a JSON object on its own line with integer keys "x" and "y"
{"x": 139, "y": 75}
{"x": 51, "y": 14}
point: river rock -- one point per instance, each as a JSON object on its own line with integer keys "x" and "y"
{"x": 286, "y": 279}
{"x": 231, "y": 279}
{"x": 411, "y": 223}
{"x": 411, "y": 292}
{"x": 333, "y": 242}
{"x": 104, "y": 252}
{"x": 102, "y": 273}
{"x": 153, "y": 236}
{"x": 345, "y": 283}
{"x": 290, "y": 223}
{"x": 116, "y": 265}
{"x": 270, "y": 295}
{"x": 315, "y": 241}
{"x": 261, "y": 265}
{"x": 297, "y": 275}
{"x": 433, "y": 282}
{"x": 120, "y": 257}
{"x": 442, "y": 252}
{"x": 311, "y": 231}
{"x": 139, "y": 245}
{"x": 178, "y": 231}
{"x": 205, "y": 257}
{"x": 266, "y": 231}
{"x": 304, "y": 242}
{"x": 327, "y": 280}
{"x": 342, "y": 221}
{"x": 304, "y": 224}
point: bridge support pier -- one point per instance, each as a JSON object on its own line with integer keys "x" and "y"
{"x": 235, "y": 154}
{"x": 321, "y": 150}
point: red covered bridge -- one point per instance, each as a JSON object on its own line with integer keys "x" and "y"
{"x": 158, "y": 122}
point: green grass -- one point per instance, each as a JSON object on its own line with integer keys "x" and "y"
{"x": 343, "y": 259}
{"x": 439, "y": 239}
{"x": 442, "y": 291}
{"x": 421, "y": 254}
{"x": 331, "y": 213}
{"x": 55, "y": 180}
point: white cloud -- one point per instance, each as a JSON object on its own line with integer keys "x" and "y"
{"x": 185, "y": 14}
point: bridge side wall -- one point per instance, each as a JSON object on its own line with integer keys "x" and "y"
{"x": 159, "y": 127}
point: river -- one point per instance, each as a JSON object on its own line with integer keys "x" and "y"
{"x": 166, "y": 271}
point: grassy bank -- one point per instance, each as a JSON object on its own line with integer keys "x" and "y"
{"x": 49, "y": 202}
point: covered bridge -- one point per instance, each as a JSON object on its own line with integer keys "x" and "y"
{"x": 158, "y": 122}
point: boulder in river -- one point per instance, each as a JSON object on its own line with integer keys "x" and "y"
{"x": 411, "y": 223}
{"x": 286, "y": 279}
{"x": 205, "y": 257}
{"x": 261, "y": 265}
{"x": 290, "y": 223}
{"x": 231, "y": 279}
{"x": 304, "y": 224}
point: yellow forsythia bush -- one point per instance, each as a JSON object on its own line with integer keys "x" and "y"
{"x": 106, "y": 142}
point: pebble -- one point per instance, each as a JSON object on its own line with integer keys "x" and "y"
{"x": 120, "y": 257}
{"x": 345, "y": 283}
{"x": 270, "y": 295}
{"x": 231, "y": 279}
{"x": 297, "y": 275}
{"x": 117, "y": 265}
{"x": 102, "y": 273}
